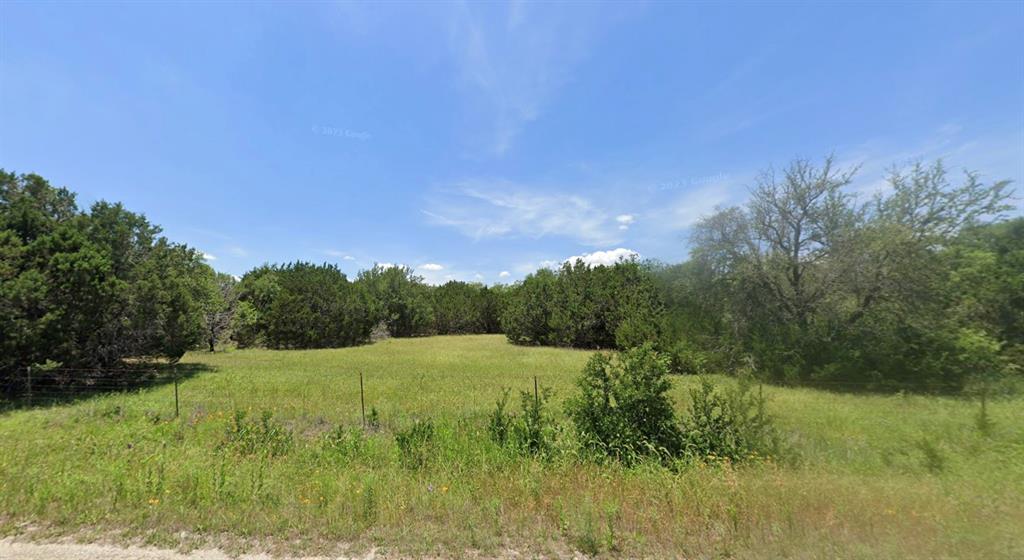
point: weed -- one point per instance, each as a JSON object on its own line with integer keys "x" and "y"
{"x": 499, "y": 423}
{"x": 415, "y": 444}
{"x": 343, "y": 443}
{"x": 934, "y": 461}
{"x": 727, "y": 425}
{"x": 264, "y": 437}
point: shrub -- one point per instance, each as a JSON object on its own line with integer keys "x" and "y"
{"x": 415, "y": 444}
{"x": 499, "y": 425}
{"x": 622, "y": 409}
{"x": 731, "y": 424}
{"x": 532, "y": 431}
{"x": 263, "y": 437}
{"x": 686, "y": 359}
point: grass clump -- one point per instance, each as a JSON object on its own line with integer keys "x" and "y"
{"x": 257, "y": 437}
{"x": 416, "y": 444}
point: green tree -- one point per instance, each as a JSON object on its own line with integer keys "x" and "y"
{"x": 399, "y": 299}
{"x": 90, "y": 289}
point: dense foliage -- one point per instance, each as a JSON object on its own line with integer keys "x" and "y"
{"x": 89, "y": 289}
{"x": 463, "y": 308}
{"x": 399, "y": 300}
{"x": 302, "y": 305}
{"x": 584, "y": 307}
{"x": 908, "y": 290}
{"x": 622, "y": 408}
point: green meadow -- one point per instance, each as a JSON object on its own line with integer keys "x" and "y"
{"x": 860, "y": 475}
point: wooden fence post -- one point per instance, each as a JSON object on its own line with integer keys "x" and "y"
{"x": 362, "y": 399}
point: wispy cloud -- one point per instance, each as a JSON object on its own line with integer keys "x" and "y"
{"x": 504, "y": 209}
{"x": 514, "y": 62}
{"x": 343, "y": 255}
{"x": 209, "y": 257}
{"x": 430, "y": 266}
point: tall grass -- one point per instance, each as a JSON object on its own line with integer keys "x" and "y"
{"x": 865, "y": 476}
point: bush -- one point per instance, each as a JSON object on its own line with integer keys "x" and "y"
{"x": 686, "y": 359}
{"x": 731, "y": 424}
{"x": 622, "y": 409}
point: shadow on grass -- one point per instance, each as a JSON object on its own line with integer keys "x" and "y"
{"x": 67, "y": 386}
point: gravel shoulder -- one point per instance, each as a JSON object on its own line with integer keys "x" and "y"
{"x": 13, "y": 550}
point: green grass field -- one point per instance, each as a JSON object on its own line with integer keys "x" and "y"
{"x": 865, "y": 476}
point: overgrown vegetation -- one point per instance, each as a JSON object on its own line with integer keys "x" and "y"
{"x": 532, "y": 431}
{"x": 912, "y": 290}
{"x": 622, "y": 409}
{"x": 908, "y": 476}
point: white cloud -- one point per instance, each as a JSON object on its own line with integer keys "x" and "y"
{"x": 431, "y": 267}
{"x": 505, "y": 209}
{"x": 625, "y": 220}
{"x": 605, "y": 258}
{"x": 339, "y": 254}
{"x": 209, "y": 257}
{"x": 504, "y": 274}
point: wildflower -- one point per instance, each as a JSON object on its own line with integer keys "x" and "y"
{"x": 154, "y": 501}
{"x": 444, "y": 489}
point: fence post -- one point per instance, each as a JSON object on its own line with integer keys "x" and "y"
{"x": 362, "y": 399}
{"x": 176, "y": 392}
{"x": 536, "y": 395}
{"x": 28, "y": 372}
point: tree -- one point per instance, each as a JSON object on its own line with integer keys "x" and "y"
{"x": 302, "y": 305}
{"x": 400, "y": 300}
{"x": 584, "y": 306}
{"x": 90, "y": 289}
{"x": 220, "y": 308}
{"x": 815, "y": 285}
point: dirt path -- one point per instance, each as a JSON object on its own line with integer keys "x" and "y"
{"x": 11, "y": 550}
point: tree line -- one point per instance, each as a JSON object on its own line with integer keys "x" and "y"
{"x": 920, "y": 286}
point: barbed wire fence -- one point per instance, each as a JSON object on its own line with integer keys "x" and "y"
{"x": 35, "y": 387}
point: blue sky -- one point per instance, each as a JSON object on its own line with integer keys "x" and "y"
{"x": 480, "y": 141}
